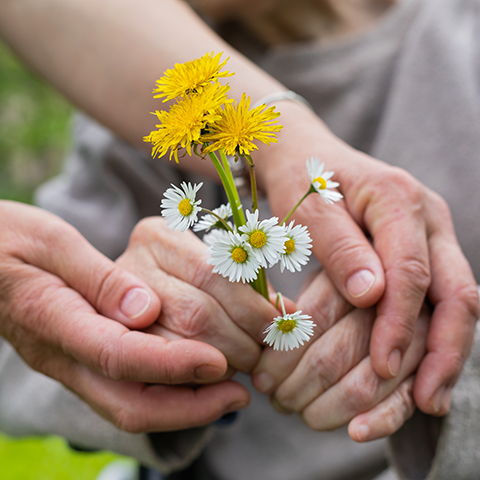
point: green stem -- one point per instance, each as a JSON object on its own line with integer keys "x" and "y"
{"x": 290, "y": 213}
{"x": 230, "y": 190}
{"x": 280, "y": 297}
{"x": 260, "y": 284}
{"x": 223, "y": 169}
{"x": 253, "y": 183}
{"x": 226, "y": 226}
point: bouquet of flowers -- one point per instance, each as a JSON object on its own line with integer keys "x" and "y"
{"x": 205, "y": 121}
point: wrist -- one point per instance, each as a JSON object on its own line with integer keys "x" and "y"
{"x": 303, "y": 135}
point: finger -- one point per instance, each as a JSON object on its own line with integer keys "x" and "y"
{"x": 248, "y": 309}
{"x": 324, "y": 303}
{"x": 137, "y": 408}
{"x": 191, "y": 313}
{"x": 157, "y": 329}
{"x": 52, "y": 245}
{"x": 54, "y": 318}
{"x": 401, "y": 241}
{"x": 361, "y": 389}
{"x": 327, "y": 360}
{"x": 386, "y": 417}
{"x": 184, "y": 256}
{"x": 338, "y": 241}
{"x": 454, "y": 295}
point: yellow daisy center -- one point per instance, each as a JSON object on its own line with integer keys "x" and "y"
{"x": 322, "y": 182}
{"x": 185, "y": 207}
{"x": 239, "y": 255}
{"x": 289, "y": 246}
{"x": 287, "y": 326}
{"x": 258, "y": 239}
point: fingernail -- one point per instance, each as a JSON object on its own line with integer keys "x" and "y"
{"x": 238, "y": 405}
{"x": 278, "y": 407}
{"x": 362, "y": 431}
{"x": 441, "y": 400}
{"x": 394, "y": 362}
{"x": 208, "y": 372}
{"x": 360, "y": 283}
{"x": 263, "y": 382}
{"x": 135, "y": 303}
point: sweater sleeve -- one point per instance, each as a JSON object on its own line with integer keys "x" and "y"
{"x": 33, "y": 404}
{"x": 431, "y": 448}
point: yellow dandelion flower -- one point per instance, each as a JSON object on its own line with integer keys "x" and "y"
{"x": 190, "y": 77}
{"x": 239, "y": 126}
{"x": 182, "y": 124}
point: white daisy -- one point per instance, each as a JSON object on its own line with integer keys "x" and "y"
{"x": 297, "y": 248}
{"x": 179, "y": 206}
{"x": 209, "y": 221}
{"x": 266, "y": 238}
{"x": 232, "y": 257}
{"x": 216, "y": 235}
{"x": 320, "y": 181}
{"x": 289, "y": 331}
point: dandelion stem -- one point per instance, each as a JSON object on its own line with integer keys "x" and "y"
{"x": 290, "y": 213}
{"x": 253, "y": 182}
{"x": 230, "y": 190}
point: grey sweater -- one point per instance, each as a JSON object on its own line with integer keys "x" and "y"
{"x": 407, "y": 92}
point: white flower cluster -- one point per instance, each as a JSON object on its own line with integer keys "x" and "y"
{"x": 239, "y": 253}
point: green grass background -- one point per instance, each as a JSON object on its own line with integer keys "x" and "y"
{"x": 34, "y": 136}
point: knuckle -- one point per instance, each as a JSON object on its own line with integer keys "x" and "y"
{"x": 399, "y": 410}
{"x": 401, "y": 329}
{"x": 416, "y": 271}
{"x": 144, "y": 230}
{"x": 360, "y": 392}
{"x": 109, "y": 280}
{"x": 468, "y": 294}
{"x": 108, "y": 361}
{"x": 202, "y": 274}
{"x": 456, "y": 359}
{"x": 440, "y": 204}
{"x": 345, "y": 252}
{"x": 195, "y": 321}
{"x": 391, "y": 418}
{"x": 326, "y": 368}
{"x": 410, "y": 188}
{"x": 126, "y": 419}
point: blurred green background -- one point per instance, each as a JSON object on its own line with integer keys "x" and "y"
{"x": 34, "y": 137}
{"x": 34, "y": 129}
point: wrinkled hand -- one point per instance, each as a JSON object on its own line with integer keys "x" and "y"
{"x": 196, "y": 303}
{"x": 68, "y": 311}
{"x": 415, "y": 254}
{"x": 330, "y": 381}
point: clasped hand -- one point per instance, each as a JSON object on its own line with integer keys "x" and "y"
{"x": 329, "y": 381}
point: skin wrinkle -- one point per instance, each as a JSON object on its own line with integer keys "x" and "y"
{"x": 203, "y": 279}
{"x": 362, "y": 388}
{"x": 189, "y": 319}
{"x": 328, "y": 360}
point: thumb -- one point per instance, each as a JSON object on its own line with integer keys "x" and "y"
{"x": 61, "y": 250}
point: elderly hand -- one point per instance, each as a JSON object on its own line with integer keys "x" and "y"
{"x": 415, "y": 254}
{"x": 69, "y": 311}
{"x": 197, "y": 303}
{"x": 330, "y": 381}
